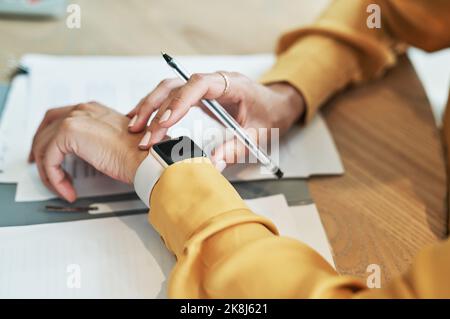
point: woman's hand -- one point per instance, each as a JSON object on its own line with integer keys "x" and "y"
{"x": 94, "y": 133}
{"x": 253, "y": 105}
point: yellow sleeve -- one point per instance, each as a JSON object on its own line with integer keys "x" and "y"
{"x": 224, "y": 250}
{"x": 339, "y": 49}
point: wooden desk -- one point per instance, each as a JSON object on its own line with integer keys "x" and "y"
{"x": 392, "y": 199}
{"x": 390, "y": 202}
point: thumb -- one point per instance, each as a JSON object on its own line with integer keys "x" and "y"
{"x": 57, "y": 177}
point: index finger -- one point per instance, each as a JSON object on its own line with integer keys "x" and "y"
{"x": 199, "y": 86}
{"x": 146, "y": 107}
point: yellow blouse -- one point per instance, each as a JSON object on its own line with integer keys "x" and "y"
{"x": 224, "y": 250}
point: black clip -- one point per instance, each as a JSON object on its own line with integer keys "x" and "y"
{"x": 73, "y": 209}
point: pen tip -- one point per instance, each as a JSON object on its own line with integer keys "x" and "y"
{"x": 166, "y": 57}
{"x": 279, "y": 174}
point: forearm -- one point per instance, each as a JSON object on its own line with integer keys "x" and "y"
{"x": 340, "y": 49}
{"x": 226, "y": 251}
{"x": 248, "y": 261}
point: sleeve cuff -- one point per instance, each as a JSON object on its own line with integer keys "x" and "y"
{"x": 318, "y": 67}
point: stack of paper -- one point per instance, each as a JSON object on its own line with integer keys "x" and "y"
{"x": 117, "y": 257}
{"x": 120, "y": 82}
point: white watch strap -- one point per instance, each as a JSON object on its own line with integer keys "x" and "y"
{"x": 146, "y": 177}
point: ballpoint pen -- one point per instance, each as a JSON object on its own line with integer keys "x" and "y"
{"x": 228, "y": 121}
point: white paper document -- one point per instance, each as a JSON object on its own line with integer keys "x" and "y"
{"x": 299, "y": 222}
{"x": 117, "y": 257}
{"x": 13, "y": 153}
{"x": 120, "y": 82}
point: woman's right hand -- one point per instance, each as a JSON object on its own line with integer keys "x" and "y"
{"x": 253, "y": 105}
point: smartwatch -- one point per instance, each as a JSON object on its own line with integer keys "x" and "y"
{"x": 160, "y": 156}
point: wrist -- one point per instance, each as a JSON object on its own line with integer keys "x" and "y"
{"x": 291, "y": 106}
{"x": 136, "y": 157}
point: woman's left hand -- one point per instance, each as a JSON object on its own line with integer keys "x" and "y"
{"x": 93, "y": 132}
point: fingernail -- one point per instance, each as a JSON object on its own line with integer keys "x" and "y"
{"x": 220, "y": 165}
{"x": 146, "y": 139}
{"x": 165, "y": 116}
{"x": 133, "y": 121}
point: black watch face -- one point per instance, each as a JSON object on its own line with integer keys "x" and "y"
{"x": 178, "y": 149}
